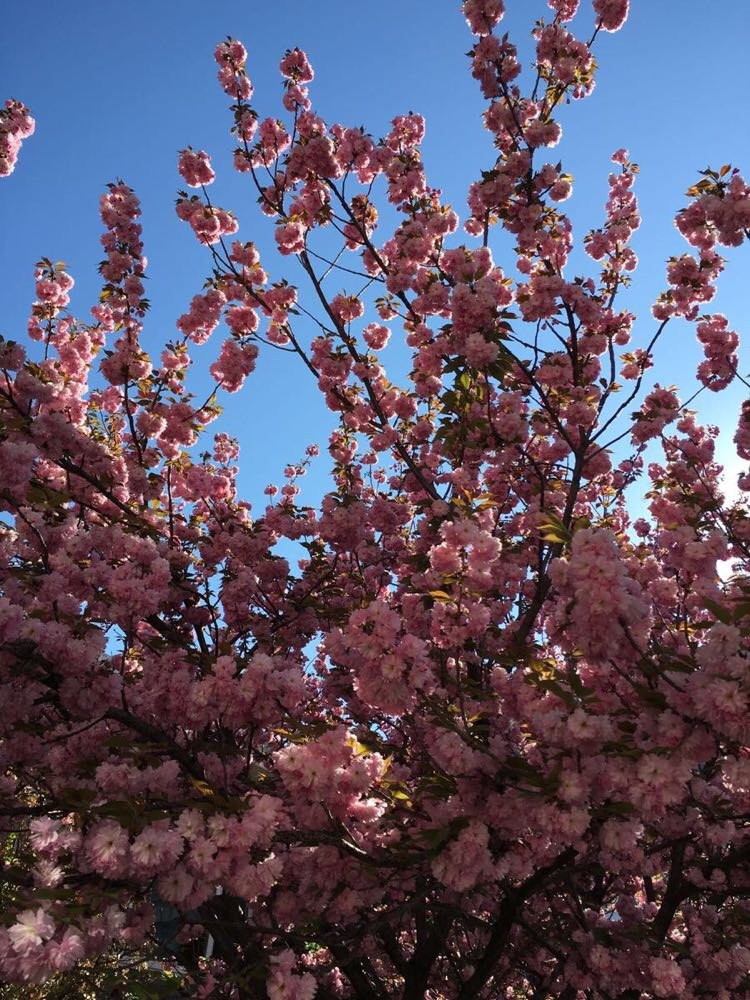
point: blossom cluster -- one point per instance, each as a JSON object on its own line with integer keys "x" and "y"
{"x": 16, "y": 124}
{"x": 465, "y": 727}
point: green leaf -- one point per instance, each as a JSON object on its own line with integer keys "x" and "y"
{"x": 40, "y": 494}
{"x": 651, "y": 696}
{"x": 619, "y": 808}
{"x": 718, "y": 610}
{"x": 741, "y": 610}
{"x": 440, "y": 595}
{"x": 553, "y": 530}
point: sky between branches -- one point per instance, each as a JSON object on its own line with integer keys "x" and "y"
{"x": 118, "y": 89}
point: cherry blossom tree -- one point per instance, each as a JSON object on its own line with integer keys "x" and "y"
{"x": 488, "y": 737}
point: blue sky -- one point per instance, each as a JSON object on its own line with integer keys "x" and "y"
{"x": 118, "y": 89}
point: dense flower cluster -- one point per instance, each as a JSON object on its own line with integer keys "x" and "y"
{"x": 16, "y": 124}
{"x": 465, "y": 730}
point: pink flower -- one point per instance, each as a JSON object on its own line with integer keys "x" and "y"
{"x": 107, "y": 846}
{"x": 296, "y": 66}
{"x": 209, "y": 223}
{"x": 45, "y": 833}
{"x": 235, "y": 362}
{"x": 195, "y": 168}
{"x": 612, "y": 14}
{"x": 65, "y": 952}
{"x": 31, "y": 929}
{"x": 290, "y": 238}
{"x": 466, "y": 860}
{"x": 376, "y": 336}
{"x": 16, "y": 124}
{"x": 483, "y": 15}
{"x": 463, "y": 668}
{"x": 190, "y": 825}
{"x": 177, "y": 885}
{"x": 231, "y": 56}
{"x": 284, "y": 984}
{"x": 347, "y": 308}
{"x": 147, "y": 851}
{"x": 564, "y": 9}
{"x": 668, "y": 980}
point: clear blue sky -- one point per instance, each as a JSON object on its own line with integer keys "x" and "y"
{"x": 118, "y": 88}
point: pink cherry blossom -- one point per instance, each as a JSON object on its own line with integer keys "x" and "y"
{"x": 466, "y": 718}
{"x": 195, "y": 168}
{"x": 31, "y": 929}
{"x": 612, "y": 14}
{"x": 16, "y": 124}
